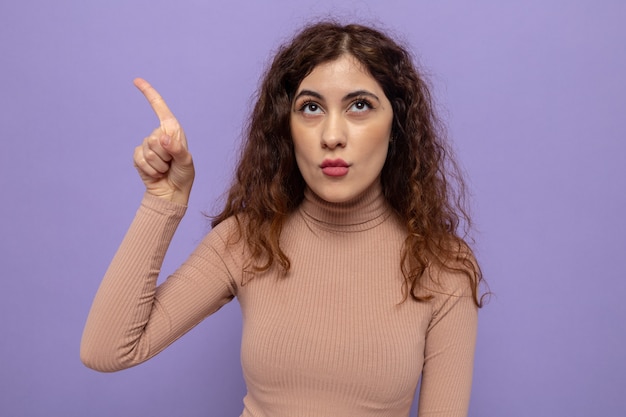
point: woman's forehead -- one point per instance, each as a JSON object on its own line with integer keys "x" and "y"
{"x": 345, "y": 72}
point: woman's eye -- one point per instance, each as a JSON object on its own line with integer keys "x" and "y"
{"x": 310, "y": 108}
{"x": 360, "y": 106}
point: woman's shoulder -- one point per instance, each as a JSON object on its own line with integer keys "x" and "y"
{"x": 228, "y": 231}
{"x": 458, "y": 274}
{"x": 452, "y": 286}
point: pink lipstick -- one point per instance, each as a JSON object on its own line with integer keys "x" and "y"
{"x": 335, "y": 167}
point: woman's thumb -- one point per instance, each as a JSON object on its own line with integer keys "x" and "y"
{"x": 166, "y": 141}
{"x": 176, "y": 149}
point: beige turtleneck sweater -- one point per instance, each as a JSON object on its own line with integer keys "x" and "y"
{"x": 331, "y": 338}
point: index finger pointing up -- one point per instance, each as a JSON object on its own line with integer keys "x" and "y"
{"x": 154, "y": 98}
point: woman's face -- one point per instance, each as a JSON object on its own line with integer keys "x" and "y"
{"x": 341, "y": 127}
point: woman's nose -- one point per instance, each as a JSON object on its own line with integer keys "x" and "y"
{"x": 334, "y": 133}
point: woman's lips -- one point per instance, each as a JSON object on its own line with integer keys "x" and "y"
{"x": 335, "y": 167}
{"x": 335, "y": 171}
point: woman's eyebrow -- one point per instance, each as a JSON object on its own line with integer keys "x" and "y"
{"x": 360, "y": 93}
{"x": 308, "y": 93}
{"x": 347, "y": 97}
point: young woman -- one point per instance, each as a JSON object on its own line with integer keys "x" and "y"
{"x": 339, "y": 239}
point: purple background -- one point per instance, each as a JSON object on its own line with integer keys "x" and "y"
{"x": 534, "y": 95}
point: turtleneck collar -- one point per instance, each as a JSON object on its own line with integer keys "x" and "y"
{"x": 361, "y": 213}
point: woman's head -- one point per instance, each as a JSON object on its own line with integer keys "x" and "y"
{"x": 416, "y": 155}
{"x": 269, "y": 148}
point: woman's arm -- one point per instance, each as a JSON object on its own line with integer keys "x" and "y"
{"x": 126, "y": 316}
{"x": 449, "y": 352}
{"x": 115, "y": 334}
{"x": 132, "y": 319}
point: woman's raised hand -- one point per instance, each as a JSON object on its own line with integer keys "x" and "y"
{"x": 163, "y": 159}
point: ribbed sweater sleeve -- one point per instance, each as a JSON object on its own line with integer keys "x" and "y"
{"x": 131, "y": 320}
{"x": 449, "y": 350}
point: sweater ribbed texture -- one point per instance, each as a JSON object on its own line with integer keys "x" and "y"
{"x": 329, "y": 338}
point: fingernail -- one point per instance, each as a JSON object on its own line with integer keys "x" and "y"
{"x": 166, "y": 140}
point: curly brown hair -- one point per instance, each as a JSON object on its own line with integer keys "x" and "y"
{"x": 420, "y": 179}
